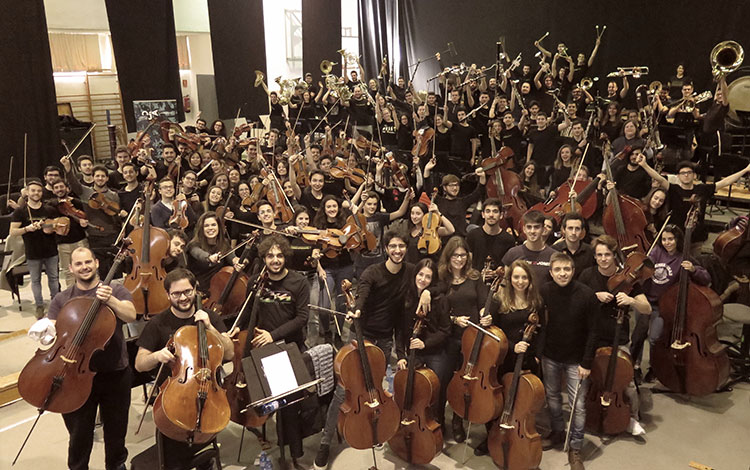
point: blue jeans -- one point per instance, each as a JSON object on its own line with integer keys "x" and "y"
{"x": 442, "y": 366}
{"x": 35, "y": 270}
{"x": 553, "y": 372}
{"x": 334, "y": 276}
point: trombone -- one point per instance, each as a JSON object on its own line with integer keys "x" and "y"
{"x": 635, "y": 72}
{"x": 726, "y": 57}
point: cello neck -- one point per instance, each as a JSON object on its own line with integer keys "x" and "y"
{"x": 366, "y": 371}
{"x": 511, "y": 398}
{"x": 610, "y": 377}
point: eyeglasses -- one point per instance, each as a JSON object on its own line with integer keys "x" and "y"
{"x": 459, "y": 255}
{"x": 187, "y": 293}
{"x": 394, "y": 246}
{"x": 686, "y": 172}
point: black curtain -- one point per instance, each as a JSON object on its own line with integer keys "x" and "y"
{"x": 321, "y": 35}
{"x": 381, "y": 36}
{"x": 145, "y": 48}
{"x": 655, "y": 34}
{"x": 238, "y": 43}
{"x": 27, "y": 90}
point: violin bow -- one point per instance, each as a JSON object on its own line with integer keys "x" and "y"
{"x": 80, "y": 141}
{"x": 25, "y": 146}
{"x": 585, "y": 151}
{"x": 325, "y": 115}
{"x": 279, "y": 186}
{"x": 260, "y": 227}
{"x": 240, "y": 245}
{"x": 150, "y": 396}
{"x": 10, "y": 180}
{"x": 658, "y": 235}
{"x": 125, "y": 224}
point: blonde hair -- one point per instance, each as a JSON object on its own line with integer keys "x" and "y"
{"x": 506, "y": 295}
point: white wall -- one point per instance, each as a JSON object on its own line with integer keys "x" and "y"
{"x": 275, "y": 28}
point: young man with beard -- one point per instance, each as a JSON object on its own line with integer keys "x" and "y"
{"x": 40, "y": 248}
{"x": 489, "y": 241}
{"x": 311, "y": 196}
{"x": 76, "y": 236}
{"x": 596, "y": 277}
{"x": 51, "y": 176}
{"x": 574, "y": 231}
{"x": 572, "y": 313}
{"x": 163, "y": 209}
{"x": 132, "y": 189}
{"x": 452, "y": 206}
{"x": 631, "y": 179}
{"x": 116, "y": 176}
{"x": 168, "y": 156}
{"x": 110, "y": 393}
{"x": 85, "y": 170}
{"x": 152, "y": 348}
{"x": 380, "y": 308}
{"x": 533, "y": 250}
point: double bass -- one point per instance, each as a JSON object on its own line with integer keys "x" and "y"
{"x": 419, "y": 438}
{"x": 625, "y": 219}
{"x": 191, "y": 406}
{"x": 513, "y": 441}
{"x": 688, "y": 357}
{"x": 504, "y": 184}
{"x": 146, "y": 280}
{"x": 58, "y": 378}
{"x": 474, "y": 392}
{"x": 369, "y": 416}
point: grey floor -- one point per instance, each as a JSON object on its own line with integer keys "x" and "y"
{"x": 713, "y": 431}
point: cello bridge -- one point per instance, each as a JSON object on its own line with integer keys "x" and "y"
{"x": 605, "y": 401}
{"x": 470, "y": 377}
{"x": 373, "y": 404}
{"x": 679, "y": 345}
{"x": 202, "y": 375}
{"x": 69, "y": 361}
{"x": 507, "y": 426}
{"x": 407, "y": 422}
{"x": 240, "y": 385}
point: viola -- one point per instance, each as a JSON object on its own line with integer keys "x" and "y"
{"x": 396, "y": 172}
{"x": 474, "y": 392}
{"x": 688, "y": 357}
{"x": 58, "y": 378}
{"x": 624, "y": 218}
{"x": 191, "y": 406}
{"x": 505, "y": 184}
{"x": 422, "y": 139}
{"x": 429, "y": 242}
{"x": 341, "y": 170}
{"x": 228, "y": 286}
{"x": 301, "y": 170}
{"x": 369, "y": 416}
{"x": 513, "y": 441}
{"x": 729, "y": 242}
{"x": 105, "y": 204}
{"x": 236, "y": 383}
{"x": 419, "y": 437}
{"x": 146, "y": 280}
{"x": 354, "y": 234}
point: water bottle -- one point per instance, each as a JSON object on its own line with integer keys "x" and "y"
{"x": 269, "y": 408}
{"x": 389, "y": 378}
{"x": 264, "y": 462}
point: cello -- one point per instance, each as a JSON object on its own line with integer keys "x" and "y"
{"x": 624, "y": 218}
{"x": 236, "y": 383}
{"x": 688, "y": 357}
{"x": 513, "y": 441}
{"x": 419, "y": 438}
{"x": 369, "y": 416}
{"x": 729, "y": 242}
{"x": 504, "y": 184}
{"x": 228, "y": 286}
{"x": 58, "y": 379}
{"x": 191, "y": 406}
{"x": 146, "y": 280}
{"x": 474, "y": 392}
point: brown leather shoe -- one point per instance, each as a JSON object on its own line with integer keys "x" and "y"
{"x": 575, "y": 460}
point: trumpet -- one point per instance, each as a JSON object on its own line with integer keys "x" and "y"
{"x": 726, "y": 57}
{"x": 635, "y": 72}
{"x": 326, "y": 66}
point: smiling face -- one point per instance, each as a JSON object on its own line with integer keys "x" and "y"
{"x": 491, "y": 215}
{"x": 275, "y": 260}
{"x": 214, "y": 196}
{"x": 176, "y": 247}
{"x": 423, "y": 278}
{"x": 562, "y": 272}
{"x": 415, "y": 215}
{"x": 657, "y": 200}
{"x": 83, "y": 265}
{"x": 458, "y": 259}
{"x": 265, "y": 214}
{"x": 182, "y": 295}
{"x": 210, "y": 228}
{"x": 316, "y": 182}
{"x": 331, "y": 209}
{"x": 605, "y": 258}
{"x": 669, "y": 242}
{"x": 519, "y": 279}
{"x": 396, "y": 250}
{"x": 533, "y": 231}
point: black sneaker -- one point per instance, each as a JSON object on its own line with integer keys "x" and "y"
{"x": 482, "y": 449}
{"x": 321, "y": 460}
{"x": 553, "y": 440}
{"x": 457, "y": 426}
{"x": 637, "y": 376}
{"x": 650, "y": 376}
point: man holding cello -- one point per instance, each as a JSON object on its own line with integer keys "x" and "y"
{"x": 181, "y": 287}
{"x": 111, "y": 388}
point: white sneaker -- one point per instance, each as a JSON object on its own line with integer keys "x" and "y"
{"x": 635, "y": 428}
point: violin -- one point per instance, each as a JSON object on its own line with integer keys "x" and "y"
{"x": 366, "y": 145}
{"x": 422, "y": 138}
{"x": 179, "y": 216}
{"x": 396, "y": 172}
{"x": 228, "y": 286}
{"x": 341, "y": 170}
{"x": 105, "y": 204}
{"x": 624, "y": 218}
{"x": 688, "y": 357}
{"x": 329, "y": 239}
{"x": 513, "y": 441}
{"x": 236, "y": 383}
{"x": 58, "y": 378}
{"x": 474, "y": 392}
{"x": 66, "y": 208}
{"x": 301, "y": 170}
{"x": 505, "y": 184}
{"x": 58, "y": 226}
{"x": 419, "y": 437}
{"x": 191, "y": 406}
{"x": 728, "y": 243}
{"x": 354, "y": 234}
{"x": 275, "y": 195}
{"x": 429, "y": 242}
{"x": 146, "y": 280}
{"x": 369, "y": 416}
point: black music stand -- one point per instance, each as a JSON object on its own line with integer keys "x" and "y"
{"x": 260, "y": 366}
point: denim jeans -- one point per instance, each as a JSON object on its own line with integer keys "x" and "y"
{"x": 334, "y": 276}
{"x": 443, "y": 368}
{"x": 553, "y": 372}
{"x": 646, "y": 326}
{"x": 35, "y": 270}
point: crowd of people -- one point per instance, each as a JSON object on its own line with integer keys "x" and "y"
{"x": 378, "y": 158}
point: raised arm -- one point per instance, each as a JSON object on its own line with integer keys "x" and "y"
{"x": 733, "y": 178}
{"x": 594, "y": 52}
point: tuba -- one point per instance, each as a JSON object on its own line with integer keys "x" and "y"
{"x": 726, "y": 57}
{"x": 326, "y": 66}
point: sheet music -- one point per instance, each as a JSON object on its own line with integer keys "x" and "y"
{"x": 279, "y": 373}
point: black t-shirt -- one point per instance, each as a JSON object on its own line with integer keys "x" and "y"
{"x": 482, "y": 245}
{"x": 461, "y": 140}
{"x": 633, "y": 183}
{"x": 163, "y": 326}
{"x": 37, "y": 244}
{"x": 539, "y": 260}
{"x": 114, "y": 356}
{"x": 380, "y": 297}
{"x": 128, "y": 198}
{"x": 442, "y": 141}
{"x": 512, "y": 138}
{"x": 283, "y": 308}
{"x": 465, "y": 299}
{"x": 310, "y": 202}
{"x": 388, "y": 135}
{"x": 679, "y": 205}
{"x": 361, "y": 112}
{"x": 545, "y": 145}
